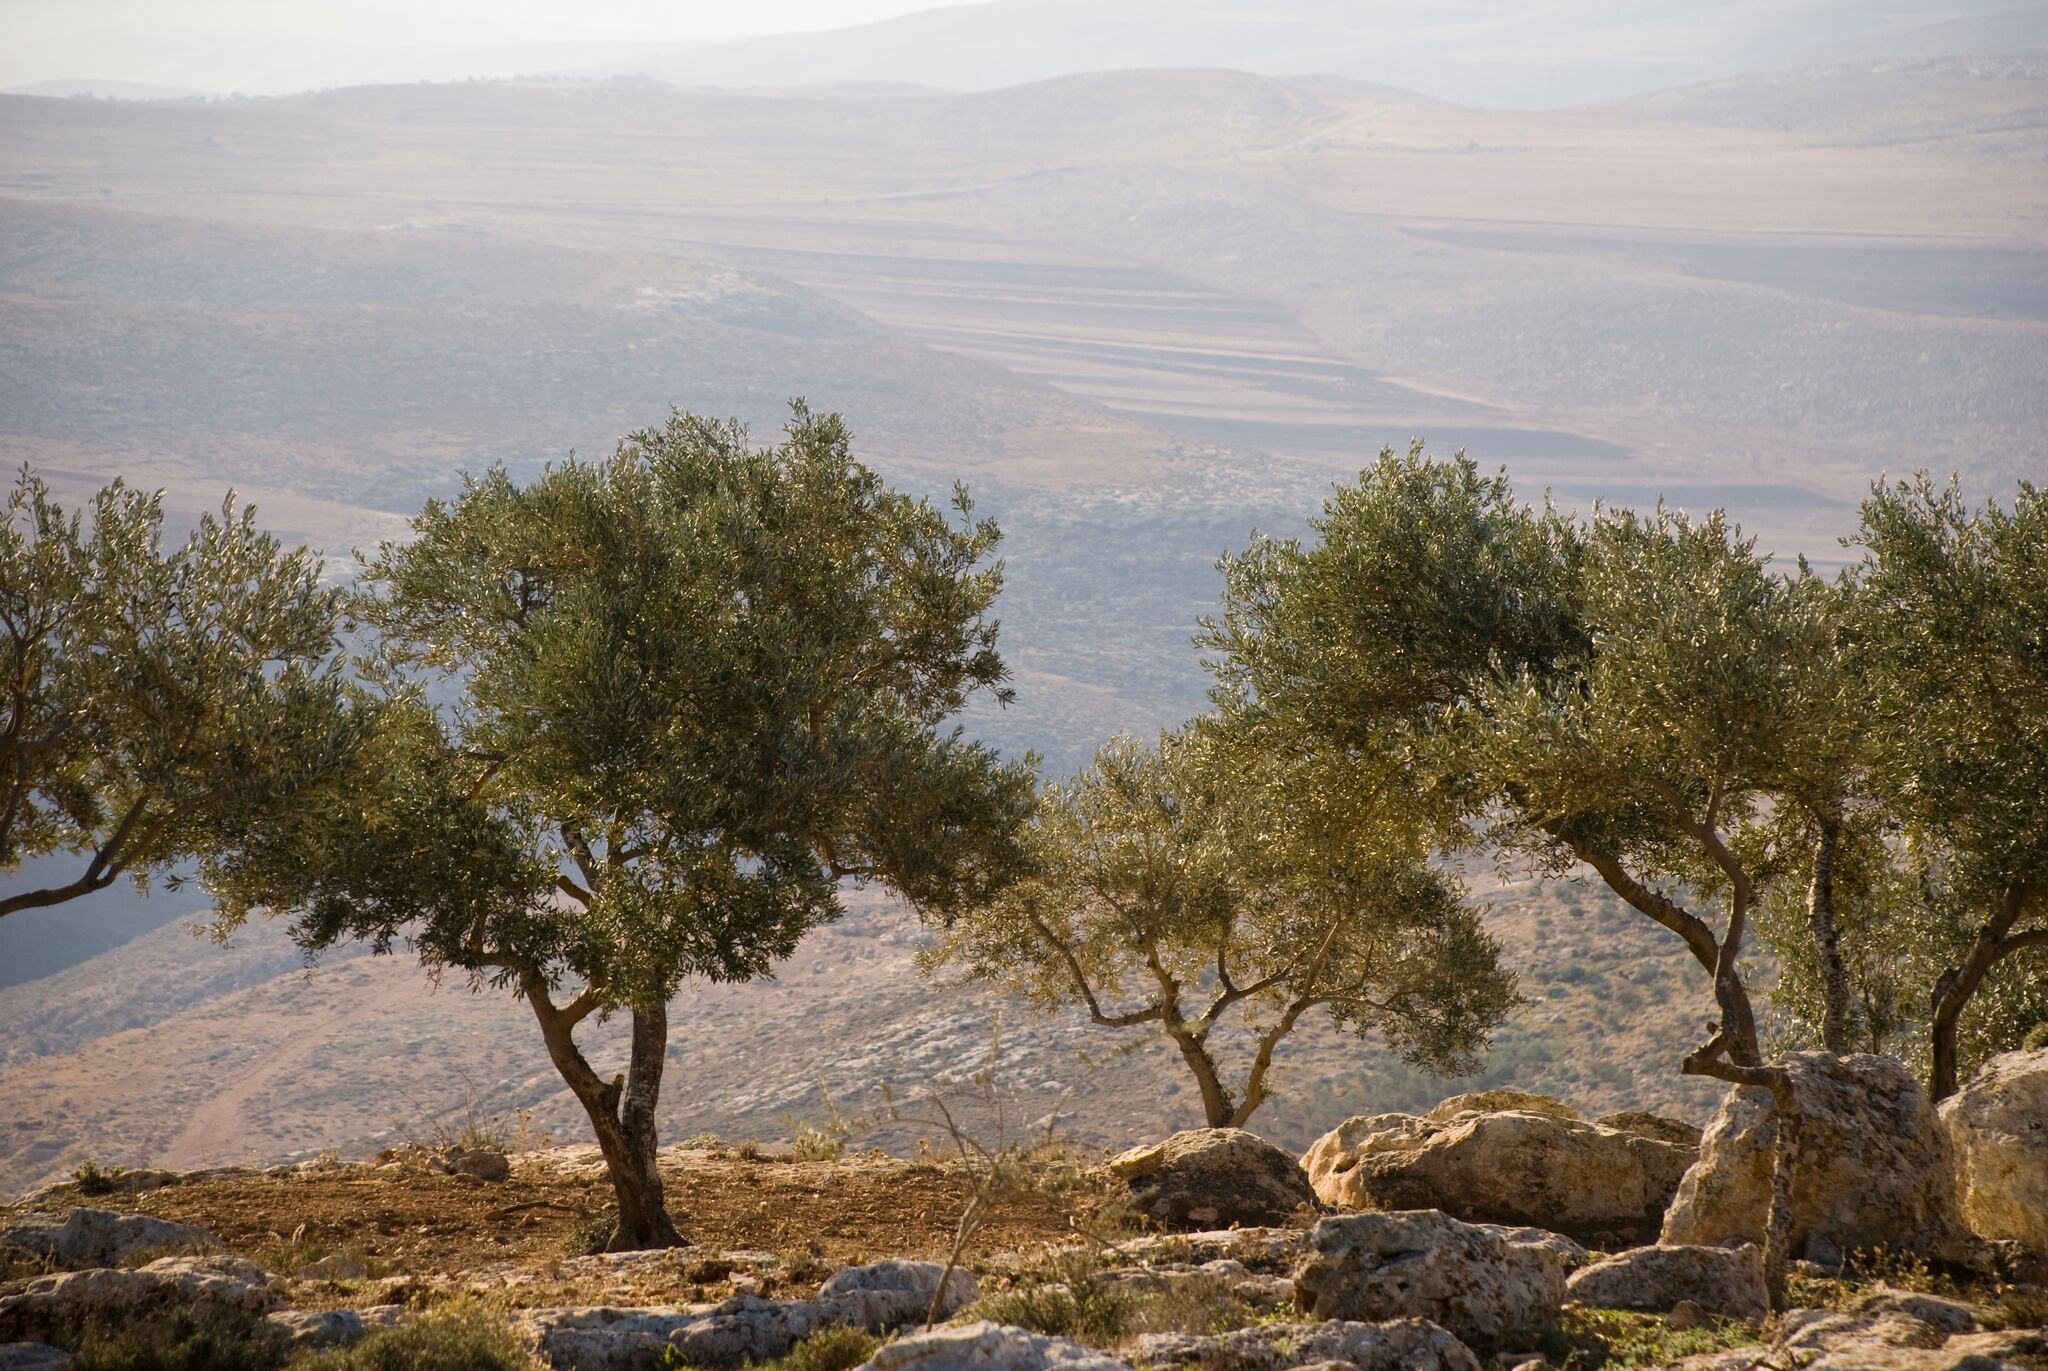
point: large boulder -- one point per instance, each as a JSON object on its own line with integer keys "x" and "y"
{"x": 1505, "y": 1156}
{"x": 1423, "y": 1264}
{"x": 1720, "y": 1280}
{"x": 1998, "y": 1127}
{"x": 1873, "y": 1168}
{"x": 1396, "y": 1345}
{"x": 86, "y": 1238}
{"x": 1213, "y": 1178}
{"x": 986, "y": 1346}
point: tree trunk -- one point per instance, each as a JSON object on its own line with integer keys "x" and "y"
{"x": 1952, "y": 993}
{"x": 1217, "y": 1106}
{"x": 622, "y": 1116}
{"x": 1786, "y": 1119}
{"x": 1827, "y": 939}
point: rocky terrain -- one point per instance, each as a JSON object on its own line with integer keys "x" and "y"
{"x": 1211, "y": 1250}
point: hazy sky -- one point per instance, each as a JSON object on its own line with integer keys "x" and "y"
{"x": 267, "y": 46}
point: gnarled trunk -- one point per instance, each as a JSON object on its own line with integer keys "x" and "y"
{"x": 1995, "y": 941}
{"x": 1827, "y": 939}
{"x": 622, "y": 1116}
{"x": 1218, "y": 1109}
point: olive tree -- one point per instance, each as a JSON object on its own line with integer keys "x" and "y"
{"x": 695, "y": 687}
{"x": 161, "y": 704}
{"x": 1956, "y": 626}
{"x": 1181, "y": 888}
{"x": 1627, "y": 692}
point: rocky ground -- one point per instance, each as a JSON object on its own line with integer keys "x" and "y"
{"x": 1214, "y": 1251}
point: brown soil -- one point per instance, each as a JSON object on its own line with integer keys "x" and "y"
{"x": 511, "y": 1238}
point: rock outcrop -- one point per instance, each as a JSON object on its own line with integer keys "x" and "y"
{"x": 746, "y": 1328}
{"x": 1395, "y": 1345}
{"x": 989, "y": 1347}
{"x": 1213, "y": 1178}
{"x": 1998, "y": 1128}
{"x": 1505, "y": 1156}
{"x": 55, "y": 1305}
{"x": 85, "y": 1238}
{"x": 1423, "y": 1264}
{"x": 1885, "y": 1330}
{"x": 1728, "y": 1281}
{"x": 1874, "y": 1167}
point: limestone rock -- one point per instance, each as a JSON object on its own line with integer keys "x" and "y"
{"x": 746, "y": 1328}
{"x": 53, "y": 1303}
{"x": 1503, "y": 1156}
{"x": 1572, "y": 1254}
{"x": 479, "y": 1163}
{"x": 33, "y": 1356}
{"x": 1719, "y": 1280}
{"x": 1885, "y": 1330}
{"x": 1215, "y": 1177}
{"x": 335, "y": 1266}
{"x": 100, "y": 1237}
{"x": 1874, "y": 1167}
{"x": 1998, "y": 1126}
{"x": 1648, "y": 1125}
{"x": 318, "y": 1327}
{"x": 1499, "y": 1102}
{"x": 1423, "y": 1264}
{"x": 1269, "y": 1247}
{"x": 1395, "y": 1345}
{"x": 986, "y": 1346}
{"x": 889, "y": 1293}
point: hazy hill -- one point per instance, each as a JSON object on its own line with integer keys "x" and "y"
{"x": 180, "y": 1053}
{"x": 1534, "y": 55}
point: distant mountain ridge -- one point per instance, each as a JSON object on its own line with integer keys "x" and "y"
{"x": 1534, "y": 56}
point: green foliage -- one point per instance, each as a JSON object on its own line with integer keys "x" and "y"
{"x": 162, "y": 704}
{"x": 1954, "y": 615}
{"x": 93, "y": 1179}
{"x": 1603, "y": 1339}
{"x": 204, "y": 1338}
{"x": 1177, "y": 885}
{"x": 460, "y": 1337}
{"x": 699, "y": 684}
{"x": 1633, "y": 692}
{"x": 1067, "y": 1299}
{"x": 832, "y": 1349}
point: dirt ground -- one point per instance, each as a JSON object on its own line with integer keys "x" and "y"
{"x": 517, "y": 1241}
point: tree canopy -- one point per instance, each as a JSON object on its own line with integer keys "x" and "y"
{"x": 162, "y": 704}
{"x": 1182, "y": 886}
{"x": 693, "y": 688}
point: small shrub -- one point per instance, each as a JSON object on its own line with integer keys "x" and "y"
{"x": 1201, "y": 1305}
{"x": 831, "y": 1349}
{"x": 461, "y": 1337}
{"x": 592, "y": 1234}
{"x": 814, "y": 1143}
{"x": 204, "y": 1339}
{"x": 1068, "y": 1299}
{"x": 750, "y": 1151}
{"x": 93, "y": 1179}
